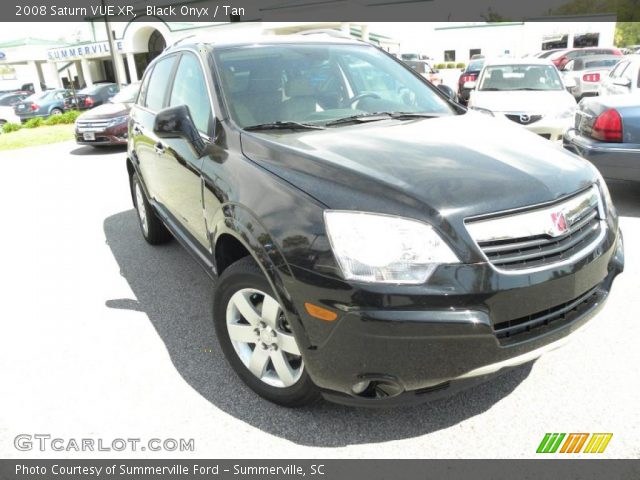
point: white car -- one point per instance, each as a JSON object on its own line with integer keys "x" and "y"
{"x": 527, "y": 91}
{"x": 588, "y": 73}
{"x": 624, "y": 78}
{"x": 7, "y": 100}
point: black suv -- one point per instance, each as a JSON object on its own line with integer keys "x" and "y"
{"x": 363, "y": 252}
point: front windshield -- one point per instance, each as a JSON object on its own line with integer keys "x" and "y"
{"x": 520, "y": 77}
{"x": 319, "y": 84}
{"x": 127, "y": 95}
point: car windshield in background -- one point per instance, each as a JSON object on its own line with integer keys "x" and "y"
{"x": 520, "y": 77}
{"x": 91, "y": 90}
{"x": 127, "y": 95}
{"x": 317, "y": 84}
{"x": 475, "y": 65}
{"x": 39, "y": 96}
{"x": 601, "y": 63}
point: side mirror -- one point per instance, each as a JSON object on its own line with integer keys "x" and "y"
{"x": 448, "y": 91}
{"x": 570, "y": 83}
{"x": 176, "y": 122}
{"x": 622, "y": 82}
{"x": 471, "y": 85}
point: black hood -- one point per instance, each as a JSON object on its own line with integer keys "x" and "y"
{"x": 455, "y": 166}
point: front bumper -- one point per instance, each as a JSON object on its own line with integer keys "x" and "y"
{"x": 619, "y": 161}
{"x": 551, "y": 129}
{"x": 419, "y": 343}
{"x": 116, "y": 135}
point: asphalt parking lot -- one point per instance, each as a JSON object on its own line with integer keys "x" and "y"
{"x": 104, "y": 336}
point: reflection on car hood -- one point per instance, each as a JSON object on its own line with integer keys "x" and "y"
{"x": 107, "y": 110}
{"x": 452, "y": 166}
{"x": 523, "y": 101}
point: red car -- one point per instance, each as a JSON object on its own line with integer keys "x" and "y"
{"x": 562, "y": 57}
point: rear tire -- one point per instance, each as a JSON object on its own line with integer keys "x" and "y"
{"x": 153, "y": 230}
{"x": 262, "y": 349}
{"x": 56, "y": 111}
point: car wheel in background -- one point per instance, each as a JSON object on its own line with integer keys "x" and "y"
{"x": 56, "y": 111}
{"x": 256, "y": 338}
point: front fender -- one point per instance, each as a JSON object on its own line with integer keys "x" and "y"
{"x": 238, "y": 222}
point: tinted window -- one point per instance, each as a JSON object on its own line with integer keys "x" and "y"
{"x": 190, "y": 89}
{"x": 159, "y": 83}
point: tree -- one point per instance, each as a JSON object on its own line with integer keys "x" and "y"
{"x": 627, "y": 33}
{"x": 626, "y": 10}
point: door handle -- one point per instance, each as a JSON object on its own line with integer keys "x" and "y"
{"x": 159, "y": 148}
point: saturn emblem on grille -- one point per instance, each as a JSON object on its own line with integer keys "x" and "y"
{"x": 558, "y": 224}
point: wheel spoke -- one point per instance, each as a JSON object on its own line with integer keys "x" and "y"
{"x": 258, "y": 362}
{"x": 288, "y": 343}
{"x": 270, "y": 311}
{"x": 245, "y": 307}
{"x": 283, "y": 369}
{"x": 242, "y": 333}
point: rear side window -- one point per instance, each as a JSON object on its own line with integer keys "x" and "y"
{"x": 159, "y": 83}
{"x": 190, "y": 89}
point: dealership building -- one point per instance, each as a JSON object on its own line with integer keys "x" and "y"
{"x": 54, "y": 64}
{"x": 459, "y": 42}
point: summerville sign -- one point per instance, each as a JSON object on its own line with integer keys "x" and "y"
{"x": 98, "y": 49}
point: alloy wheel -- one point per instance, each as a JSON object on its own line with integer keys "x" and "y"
{"x": 262, "y": 339}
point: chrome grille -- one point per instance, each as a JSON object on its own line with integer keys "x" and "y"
{"x": 543, "y": 236}
{"x": 93, "y": 124}
{"x": 523, "y": 118}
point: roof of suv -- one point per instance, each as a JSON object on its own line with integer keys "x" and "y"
{"x": 316, "y": 38}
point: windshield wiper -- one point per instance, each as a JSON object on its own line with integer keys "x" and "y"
{"x": 490, "y": 89}
{"x": 375, "y": 116}
{"x": 529, "y": 89}
{"x": 284, "y": 126}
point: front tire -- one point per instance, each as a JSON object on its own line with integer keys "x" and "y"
{"x": 153, "y": 230}
{"x": 255, "y": 337}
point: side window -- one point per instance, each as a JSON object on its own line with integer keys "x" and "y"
{"x": 190, "y": 89}
{"x": 616, "y": 72}
{"x": 569, "y": 66}
{"x": 629, "y": 73}
{"x": 159, "y": 83}
{"x": 143, "y": 88}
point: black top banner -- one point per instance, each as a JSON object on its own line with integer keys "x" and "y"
{"x": 320, "y": 10}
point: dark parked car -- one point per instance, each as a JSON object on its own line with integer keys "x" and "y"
{"x": 93, "y": 96}
{"x": 107, "y": 124}
{"x": 607, "y": 133}
{"x": 363, "y": 250}
{"x": 44, "y": 104}
{"x": 470, "y": 74}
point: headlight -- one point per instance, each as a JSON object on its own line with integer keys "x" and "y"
{"x": 385, "y": 249}
{"x": 118, "y": 120}
{"x": 604, "y": 191}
